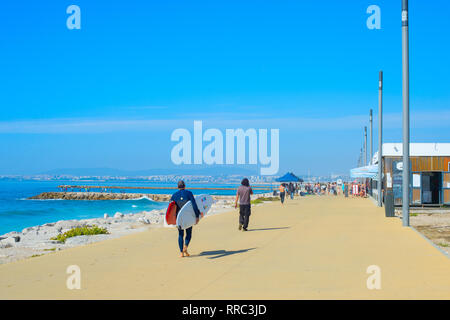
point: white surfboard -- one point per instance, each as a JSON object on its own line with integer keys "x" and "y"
{"x": 186, "y": 217}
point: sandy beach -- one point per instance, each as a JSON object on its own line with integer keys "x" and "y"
{"x": 310, "y": 248}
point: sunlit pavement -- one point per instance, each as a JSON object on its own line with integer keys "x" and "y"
{"x": 310, "y": 248}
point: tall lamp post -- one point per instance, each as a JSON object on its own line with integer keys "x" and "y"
{"x": 365, "y": 146}
{"x": 371, "y": 136}
{"x": 380, "y": 138}
{"x": 406, "y": 166}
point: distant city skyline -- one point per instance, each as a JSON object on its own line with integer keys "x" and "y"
{"x": 110, "y": 94}
{"x": 109, "y": 173}
{"x": 172, "y": 179}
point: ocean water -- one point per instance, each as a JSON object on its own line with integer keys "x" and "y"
{"x": 17, "y": 213}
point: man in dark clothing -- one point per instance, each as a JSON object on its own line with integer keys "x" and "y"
{"x": 181, "y": 197}
{"x": 243, "y": 195}
{"x": 291, "y": 190}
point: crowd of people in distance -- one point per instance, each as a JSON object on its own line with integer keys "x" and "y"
{"x": 353, "y": 189}
{"x": 330, "y": 188}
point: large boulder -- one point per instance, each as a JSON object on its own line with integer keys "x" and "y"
{"x": 118, "y": 215}
{"x": 48, "y": 224}
{"x": 64, "y": 225}
{"x": 67, "y": 224}
{"x": 9, "y": 242}
{"x": 26, "y": 230}
{"x": 144, "y": 220}
{"x": 10, "y": 234}
{"x": 49, "y": 232}
{"x": 15, "y": 238}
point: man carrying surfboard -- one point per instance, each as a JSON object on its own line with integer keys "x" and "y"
{"x": 181, "y": 197}
{"x": 243, "y": 195}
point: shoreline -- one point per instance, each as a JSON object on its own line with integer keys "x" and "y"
{"x": 36, "y": 240}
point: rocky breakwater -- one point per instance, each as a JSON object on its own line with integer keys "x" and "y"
{"x": 98, "y": 196}
{"x": 115, "y": 196}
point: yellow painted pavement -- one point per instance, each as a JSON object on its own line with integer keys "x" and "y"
{"x": 309, "y": 248}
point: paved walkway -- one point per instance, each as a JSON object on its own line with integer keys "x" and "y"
{"x": 311, "y": 248}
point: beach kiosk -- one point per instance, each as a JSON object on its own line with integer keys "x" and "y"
{"x": 430, "y": 173}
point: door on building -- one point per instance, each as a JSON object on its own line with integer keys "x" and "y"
{"x": 446, "y": 187}
{"x": 416, "y": 196}
{"x": 431, "y": 187}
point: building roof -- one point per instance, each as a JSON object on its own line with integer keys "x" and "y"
{"x": 415, "y": 150}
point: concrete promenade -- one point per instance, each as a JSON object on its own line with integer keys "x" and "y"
{"x": 310, "y": 248}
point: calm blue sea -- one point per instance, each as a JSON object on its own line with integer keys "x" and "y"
{"x": 17, "y": 213}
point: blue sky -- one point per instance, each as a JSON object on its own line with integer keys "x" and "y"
{"x": 110, "y": 94}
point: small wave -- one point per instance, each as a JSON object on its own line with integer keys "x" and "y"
{"x": 135, "y": 199}
{"x": 143, "y": 198}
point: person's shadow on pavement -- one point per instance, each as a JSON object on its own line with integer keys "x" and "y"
{"x": 220, "y": 253}
{"x": 266, "y": 229}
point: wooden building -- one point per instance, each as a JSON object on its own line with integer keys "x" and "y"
{"x": 430, "y": 173}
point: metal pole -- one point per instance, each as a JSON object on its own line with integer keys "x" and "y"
{"x": 380, "y": 138}
{"x": 405, "y": 56}
{"x": 360, "y": 158}
{"x": 371, "y": 136}
{"x": 365, "y": 145}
